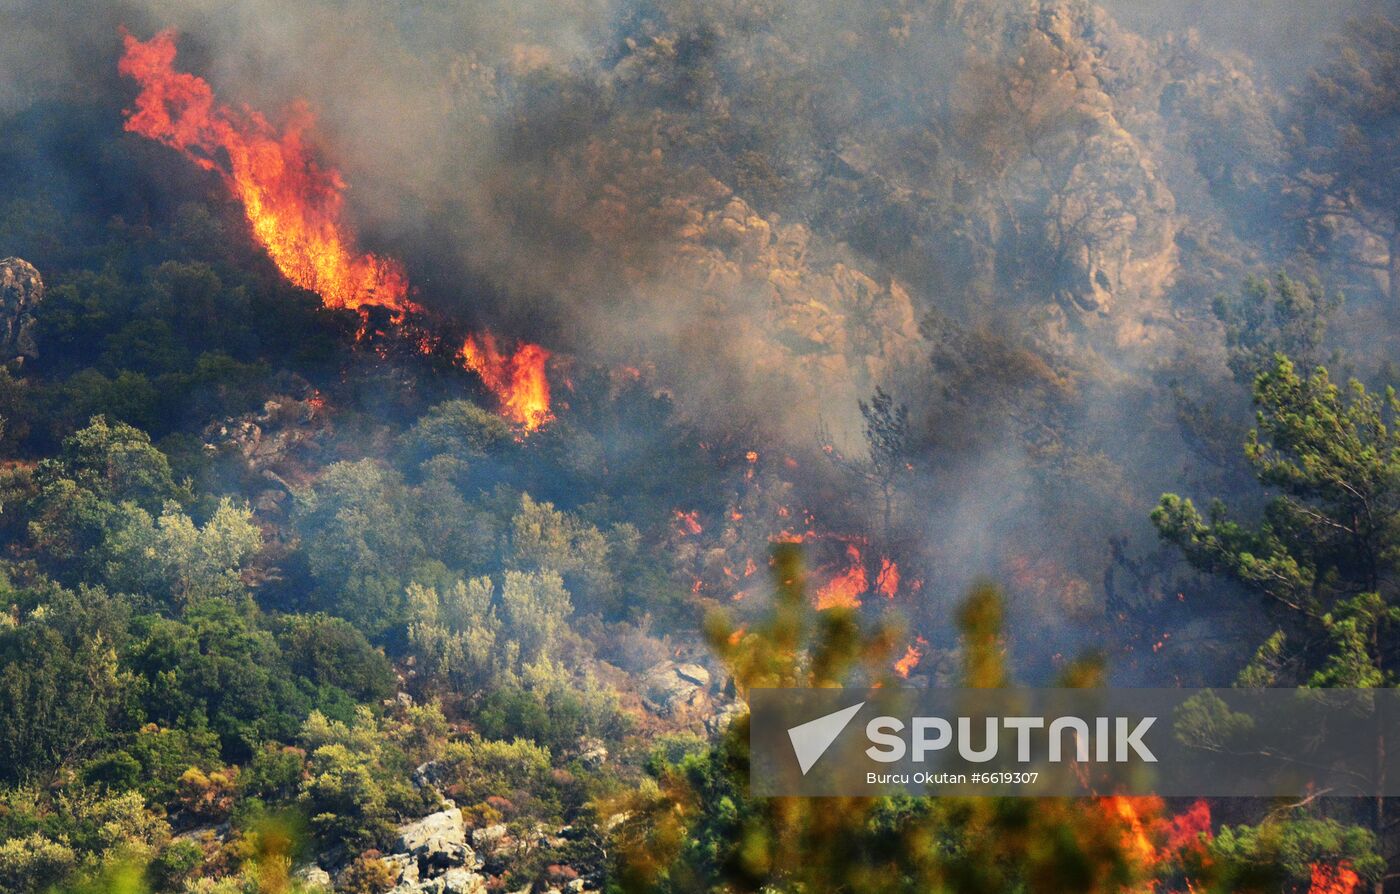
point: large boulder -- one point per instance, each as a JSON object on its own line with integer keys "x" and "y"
{"x": 462, "y": 881}
{"x": 434, "y": 833}
{"x": 21, "y": 291}
{"x": 672, "y": 690}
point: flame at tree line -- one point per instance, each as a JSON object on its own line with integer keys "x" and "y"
{"x": 294, "y": 207}
{"x": 1151, "y": 839}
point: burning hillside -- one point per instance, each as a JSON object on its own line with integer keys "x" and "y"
{"x": 424, "y": 425}
{"x": 295, "y": 208}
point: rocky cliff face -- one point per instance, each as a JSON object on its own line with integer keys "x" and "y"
{"x": 21, "y": 292}
{"x": 777, "y": 204}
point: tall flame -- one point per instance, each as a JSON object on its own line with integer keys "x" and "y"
{"x": 293, "y": 204}
{"x": 1151, "y": 838}
{"x": 518, "y": 380}
{"x": 294, "y": 207}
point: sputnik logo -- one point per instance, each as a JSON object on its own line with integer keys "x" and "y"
{"x": 810, "y": 740}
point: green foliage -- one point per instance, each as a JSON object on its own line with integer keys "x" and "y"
{"x": 1325, "y": 555}
{"x": 177, "y": 561}
{"x": 453, "y": 637}
{"x": 34, "y": 862}
{"x": 159, "y": 756}
{"x": 330, "y": 652}
{"x": 551, "y": 705}
{"x": 545, "y": 539}
{"x": 215, "y": 669}
{"x": 1270, "y": 317}
{"x": 475, "y": 769}
{"x": 1331, "y": 534}
{"x": 361, "y": 544}
{"x": 695, "y": 827}
{"x": 274, "y": 773}
{"x": 358, "y": 779}
{"x": 1284, "y": 851}
{"x": 61, "y": 686}
{"x": 81, "y": 493}
{"x": 457, "y": 429}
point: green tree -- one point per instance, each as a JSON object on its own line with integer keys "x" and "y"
{"x": 176, "y": 560}
{"x": 215, "y": 669}
{"x": 61, "y": 686}
{"x": 1275, "y": 316}
{"x": 81, "y": 491}
{"x": 1330, "y": 534}
{"x": 454, "y": 633}
{"x": 358, "y": 775}
{"x": 361, "y": 543}
{"x": 459, "y": 429}
{"x": 1324, "y": 557}
{"x": 546, "y": 539}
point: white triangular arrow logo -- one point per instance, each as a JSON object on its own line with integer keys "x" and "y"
{"x": 810, "y": 740}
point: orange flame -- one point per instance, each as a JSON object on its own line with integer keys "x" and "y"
{"x": 1339, "y": 879}
{"x": 518, "y": 380}
{"x": 887, "y": 581}
{"x": 845, "y": 589}
{"x": 1129, "y": 811}
{"x": 293, "y": 204}
{"x": 294, "y": 207}
{"x": 912, "y": 656}
{"x": 1151, "y": 838}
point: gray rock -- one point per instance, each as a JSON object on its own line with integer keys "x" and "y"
{"x": 405, "y": 867}
{"x": 490, "y": 838}
{"x": 592, "y": 753}
{"x": 21, "y": 291}
{"x": 463, "y": 881}
{"x": 694, "y": 673}
{"x": 667, "y": 693}
{"x": 314, "y": 876}
{"x": 426, "y": 774}
{"x": 719, "y": 722}
{"x": 437, "y": 830}
{"x": 439, "y": 854}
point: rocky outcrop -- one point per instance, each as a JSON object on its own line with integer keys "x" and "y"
{"x": 433, "y": 832}
{"x": 431, "y": 856}
{"x": 676, "y": 690}
{"x": 280, "y": 443}
{"x": 21, "y": 292}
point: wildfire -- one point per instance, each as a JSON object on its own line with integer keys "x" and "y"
{"x": 518, "y": 380}
{"x": 1339, "y": 879}
{"x": 295, "y": 206}
{"x": 1129, "y": 811}
{"x": 688, "y": 523}
{"x": 1150, "y": 838}
{"x": 887, "y": 581}
{"x": 912, "y": 656}
{"x": 845, "y": 589}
